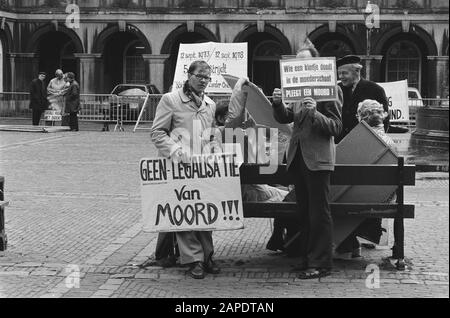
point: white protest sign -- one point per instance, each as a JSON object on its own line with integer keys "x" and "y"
{"x": 397, "y": 95}
{"x": 52, "y": 115}
{"x": 224, "y": 58}
{"x": 308, "y": 77}
{"x": 203, "y": 195}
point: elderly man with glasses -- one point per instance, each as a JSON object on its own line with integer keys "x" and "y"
{"x": 180, "y": 111}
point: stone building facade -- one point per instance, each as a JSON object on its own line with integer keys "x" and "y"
{"x": 136, "y": 41}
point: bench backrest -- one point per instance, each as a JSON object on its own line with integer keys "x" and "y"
{"x": 343, "y": 174}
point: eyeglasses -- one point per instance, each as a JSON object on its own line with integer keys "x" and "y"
{"x": 202, "y": 77}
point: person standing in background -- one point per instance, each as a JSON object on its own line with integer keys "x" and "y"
{"x": 72, "y": 97}
{"x": 55, "y": 92}
{"x": 38, "y": 98}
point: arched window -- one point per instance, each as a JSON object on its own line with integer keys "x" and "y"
{"x": 404, "y": 61}
{"x": 268, "y": 50}
{"x": 56, "y": 51}
{"x": 266, "y": 69}
{"x": 68, "y": 60}
{"x": 134, "y": 63}
{"x": 335, "y": 48}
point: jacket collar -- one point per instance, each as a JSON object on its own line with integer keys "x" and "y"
{"x": 185, "y": 99}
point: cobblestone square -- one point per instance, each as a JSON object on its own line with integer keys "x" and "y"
{"x": 74, "y": 230}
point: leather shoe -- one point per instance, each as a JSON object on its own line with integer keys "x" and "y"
{"x": 212, "y": 267}
{"x": 196, "y": 271}
{"x": 275, "y": 244}
{"x": 169, "y": 261}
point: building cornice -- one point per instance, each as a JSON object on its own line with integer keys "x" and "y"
{"x": 438, "y": 58}
{"x": 133, "y": 17}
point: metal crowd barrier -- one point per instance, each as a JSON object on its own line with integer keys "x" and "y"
{"x": 120, "y": 110}
{"x": 15, "y": 105}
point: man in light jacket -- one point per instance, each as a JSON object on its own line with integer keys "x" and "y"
{"x": 177, "y": 111}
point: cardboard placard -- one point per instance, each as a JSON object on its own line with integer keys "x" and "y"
{"x": 204, "y": 195}
{"x": 308, "y": 77}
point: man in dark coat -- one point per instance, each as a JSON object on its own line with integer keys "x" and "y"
{"x": 355, "y": 90}
{"x": 38, "y": 97}
{"x": 72, "y": 106}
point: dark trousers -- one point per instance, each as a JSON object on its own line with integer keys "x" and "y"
{"x": 165, "y": 246}
{"x": 73, "y": 121}
{"x": 370, "y": 229}
{"x": 65, "y": 120}
{"x": 312, "y": 189}
{"x": 37, "y": 113}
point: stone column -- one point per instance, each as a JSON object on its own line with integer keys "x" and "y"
{"x": 155, "y": 66}
{"x": 438, "y": 73}
{"x": 372, "y": 67}
{"x": 24, "y": 68}
{"x": 90, "y": 73}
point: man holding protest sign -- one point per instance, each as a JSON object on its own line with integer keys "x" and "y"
{"x": 173, "y": 134}
{"x": 356, "y": 90}
{"x": 311, "y": 154}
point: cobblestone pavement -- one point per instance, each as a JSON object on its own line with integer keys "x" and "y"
{"x": 75, "y": 213}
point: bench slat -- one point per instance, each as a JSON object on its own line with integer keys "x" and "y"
{"x": 343, "y": 175}
{"x": 286, "y": 209}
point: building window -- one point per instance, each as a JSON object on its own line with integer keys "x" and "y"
{"x": 335, "y": 48}
{"x": 266, "y": 67}
{"x": 68, "y": 61}
{"x": 404, "y": 61}
{"x": 134, "y": 64}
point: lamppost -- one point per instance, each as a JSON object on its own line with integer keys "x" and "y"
{"x": 370, "y": 22}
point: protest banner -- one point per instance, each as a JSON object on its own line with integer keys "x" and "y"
{"x": 52, "y": 115}
{"x": 311, "y": 77}
{"x": 224, "y": 58}
{"x": 203, "y": 195}
{"x": 397, "y": 95}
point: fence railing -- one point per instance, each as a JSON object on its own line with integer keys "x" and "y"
{"x": 96, "y": 107}
{"x": 109, "y": 108}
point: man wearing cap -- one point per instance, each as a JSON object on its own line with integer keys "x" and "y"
{"x": 38, "y": 97}
{"x": 356, "y": 90}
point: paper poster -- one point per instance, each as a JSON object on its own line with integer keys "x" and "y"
{"x": 308, "y": 77}
{"x": 203, "y": 195}
{"x": 397, "y": 95}
{"x": 224, "y": 58}
{"x": 52, "y": 115}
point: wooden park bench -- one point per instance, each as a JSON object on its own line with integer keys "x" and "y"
{"x": 3, "y": 204}
{"x": 399, "y": 175}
